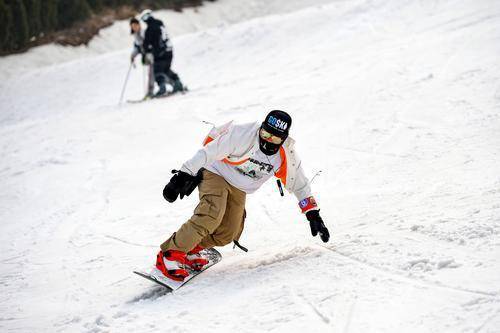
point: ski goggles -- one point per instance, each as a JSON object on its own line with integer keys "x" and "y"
{"x": 265, "y": 135}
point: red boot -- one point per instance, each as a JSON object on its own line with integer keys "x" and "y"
{"x": 195, "y": 260}
{"x": 171, "y": 264}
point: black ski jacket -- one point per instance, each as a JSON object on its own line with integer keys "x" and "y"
{"x": 156, "y": 40}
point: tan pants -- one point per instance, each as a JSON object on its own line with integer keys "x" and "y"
{"x": 217, "y": 220}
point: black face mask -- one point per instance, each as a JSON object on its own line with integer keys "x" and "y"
{"x": 268, "y": 148}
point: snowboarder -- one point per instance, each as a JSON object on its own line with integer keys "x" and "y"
{"x": 235, "y": 160}
{"x": 157, "y": 42}
{"x": 146, "y": 58}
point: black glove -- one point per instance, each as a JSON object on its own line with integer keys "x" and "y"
{"x": 317, "y": 225}
{"x": 182, "y": 184}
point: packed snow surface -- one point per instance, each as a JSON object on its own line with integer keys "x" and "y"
{"x": 397, "y": 103}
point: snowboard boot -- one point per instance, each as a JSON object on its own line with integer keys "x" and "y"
{"x": 195, "y": 260}
{"x": 171, "y": 264}
{"x": 178, "y": 86}
{"x": 162, "y": 91}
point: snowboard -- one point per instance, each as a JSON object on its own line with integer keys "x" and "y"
{"x": 156, "y": 276}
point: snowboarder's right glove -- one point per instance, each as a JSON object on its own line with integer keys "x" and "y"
{"x": 182, "y": 184}
{"x": 317, "y": 225}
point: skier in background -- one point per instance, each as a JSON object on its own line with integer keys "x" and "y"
{"x": 157, "y": 42}
{"x": 146, "y": 58}
{"x": 235, "y": 160}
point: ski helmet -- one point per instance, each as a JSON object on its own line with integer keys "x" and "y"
{"x": 145, "y": 15}
{"x": 277, "y": 124}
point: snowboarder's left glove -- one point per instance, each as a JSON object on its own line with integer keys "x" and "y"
{"x": 181, "y": 184}
{"x": 317, "y": 225}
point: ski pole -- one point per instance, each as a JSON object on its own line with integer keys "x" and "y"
{"x": 144, "y": 84}
{"x": 125, "y": 83}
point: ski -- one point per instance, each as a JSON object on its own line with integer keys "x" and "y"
{"x": 149, "y": 98}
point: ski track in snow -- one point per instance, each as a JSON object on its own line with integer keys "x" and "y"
{"x": 396, "y": 102}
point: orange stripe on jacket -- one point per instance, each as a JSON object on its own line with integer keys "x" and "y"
{"x": 207, "y": 140}
{"x": 281, "y": 174}
{"x": 210, "y": 139}
{"x": 235, "y": 163}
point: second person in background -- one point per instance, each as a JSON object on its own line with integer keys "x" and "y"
{"x": 156, "y": 41}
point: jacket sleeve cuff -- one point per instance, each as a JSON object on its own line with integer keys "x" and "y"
{"x": 308, "y": 204}
{"x": 187, "y": 170}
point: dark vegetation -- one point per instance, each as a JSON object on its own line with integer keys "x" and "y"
{"x": 27, "y": 23}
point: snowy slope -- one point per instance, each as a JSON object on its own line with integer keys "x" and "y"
{"x": 397, "y": 102}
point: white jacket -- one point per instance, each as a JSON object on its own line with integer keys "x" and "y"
{"x": 233, "y": 144}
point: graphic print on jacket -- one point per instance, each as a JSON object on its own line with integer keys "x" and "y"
{"x": 249, "y": 175}
{"x": 255, "y": 169}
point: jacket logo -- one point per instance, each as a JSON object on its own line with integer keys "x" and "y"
{"x": 277, "y": 123}
{"x": 303, "y": 203}
{"x": 307, "y": 202}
